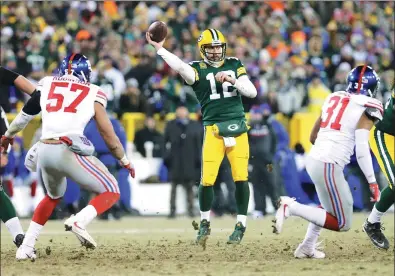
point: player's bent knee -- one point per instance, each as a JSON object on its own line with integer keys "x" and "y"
{"x": 207, "y": 184}
{"x": 208, "y": 180}
{"x": 240, "y": 178}
{"x": 51, "y": 196}
{"x": 54, "y": 197}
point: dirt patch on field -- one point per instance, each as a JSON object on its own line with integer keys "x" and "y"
{"x": 163, "y": 247}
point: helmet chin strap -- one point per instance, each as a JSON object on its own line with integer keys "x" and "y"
{"x": 215, "y": 64}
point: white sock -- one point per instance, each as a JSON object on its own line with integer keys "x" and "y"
{"x": 205, "y": 215}
{"x": 86, "y": 215}
{"x": 242, "y": 219}
{"x": 313, "y": 232}
{"x": 32, "y": 234}
{"x": 312, "y": 214}
{"x": 375, "y": 216}
{"x": 14, "y": 226}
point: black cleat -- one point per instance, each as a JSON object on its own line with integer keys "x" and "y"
{"x": 373, "y": 230}
{"x": 19, "y": 240}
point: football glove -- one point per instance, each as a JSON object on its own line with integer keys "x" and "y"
{"x": 375, "y": 191}
{"x": 130, "y": 168}
{"x": 5, "y": 142}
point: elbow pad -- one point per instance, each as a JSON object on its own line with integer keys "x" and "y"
{"x": 362, "y": 153}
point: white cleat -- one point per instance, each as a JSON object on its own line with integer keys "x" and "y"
{"x": 282, "y": 213}
{"x": 303, "y": 252}
{"x": 73, "y": 225}
{"x": 25, "y": 252}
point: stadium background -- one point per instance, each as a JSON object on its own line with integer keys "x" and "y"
{"x": 296, "y": 53}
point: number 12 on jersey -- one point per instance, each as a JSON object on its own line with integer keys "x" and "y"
{"x": 226, "y": 86}
{"x": 330, "y": 110}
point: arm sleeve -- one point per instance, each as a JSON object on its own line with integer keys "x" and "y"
{"x": 185, "y": 70}
{"x": 8, "y": 76}
{"x": 245, "y": 87}
{"x": 362, "y": 152}
{"x": 32, "y": 107}
{"x": 20, "y": 122}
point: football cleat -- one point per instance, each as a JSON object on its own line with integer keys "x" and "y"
{"x": 203, "y": 233}
{"x": 303, "y": 252}
{"x": 237, "y": 234}
{"x": 282, "y": 213}
{"x": 19, "y": 240}
{"x": 373, "y": 230}
{"x": 72, "y": 224}
{"x": 25, "y": 252}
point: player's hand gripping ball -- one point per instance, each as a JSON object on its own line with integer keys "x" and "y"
{"x": 157, "y": 31}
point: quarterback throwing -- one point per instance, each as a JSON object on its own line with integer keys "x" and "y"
{"x": 218, "y": 82}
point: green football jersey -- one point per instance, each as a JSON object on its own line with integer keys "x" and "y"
{"x": 387, "y": 125}
{"x": 220, "y": 102}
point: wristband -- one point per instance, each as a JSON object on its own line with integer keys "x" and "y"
{"x": 124, "y": 161}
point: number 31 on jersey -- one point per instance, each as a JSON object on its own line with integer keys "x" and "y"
{"x": 336, "y": 106}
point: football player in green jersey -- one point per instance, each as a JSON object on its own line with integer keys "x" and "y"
{"x": 382, "y": 143}
{"x": 218, "y": 82}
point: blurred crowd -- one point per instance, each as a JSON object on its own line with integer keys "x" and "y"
{"x": 295, "y": 52}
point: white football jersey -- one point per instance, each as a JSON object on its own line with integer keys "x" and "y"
{"x": 67, "y": 105}
{"x": 339, "y": 118}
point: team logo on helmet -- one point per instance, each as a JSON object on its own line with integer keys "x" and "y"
{"x": 200, "y": 37}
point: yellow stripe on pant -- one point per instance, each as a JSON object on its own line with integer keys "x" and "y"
{"x": 214, "y": 151}
{"x": 382, "y": 145}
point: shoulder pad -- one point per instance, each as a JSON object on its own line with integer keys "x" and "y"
{"x": 194, "y": 62}
{"x": 367, "y": 101}
{"x": 341, "y": 93}
{"x": 374, "y": 113}
{"x": 44, "y": 79}
{"x": 232, "y": 58}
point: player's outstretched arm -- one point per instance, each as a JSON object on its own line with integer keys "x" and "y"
{"x": 243, "y": 84}
{"x": 12, "y": 78}
{"x": 112, "y": 141}
{"x": 29, "y": 110}
{"x": 362, "y": 152}
{"x": 185, "y": 70}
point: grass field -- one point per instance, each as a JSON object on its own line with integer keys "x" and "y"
{"x": 157, "y": 246}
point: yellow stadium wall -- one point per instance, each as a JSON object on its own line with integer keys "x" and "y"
{"x": 298, "y": 127}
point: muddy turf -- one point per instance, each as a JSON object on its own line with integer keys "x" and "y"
{"x": 158, "y": 246}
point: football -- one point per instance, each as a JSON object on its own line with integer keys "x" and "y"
{"x": 158, "y": 31}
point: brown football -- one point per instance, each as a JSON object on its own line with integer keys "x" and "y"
{"x": 158, "y": 31}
